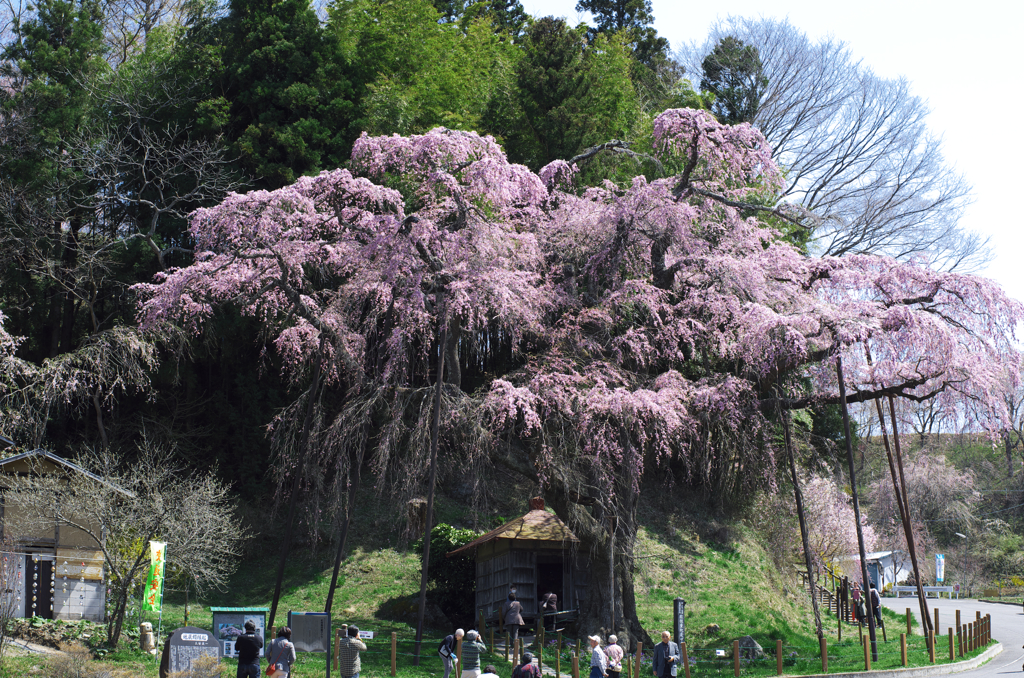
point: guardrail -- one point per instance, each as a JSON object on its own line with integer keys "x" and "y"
{"x": 950, "y": 591}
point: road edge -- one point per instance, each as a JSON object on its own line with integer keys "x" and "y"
{"x": 919, "y": 671}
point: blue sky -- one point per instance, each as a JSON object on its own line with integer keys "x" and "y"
{"x": 963, "y": 58}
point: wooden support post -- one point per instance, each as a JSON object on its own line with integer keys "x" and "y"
{"x": 960, "y": 641}
{"x": 823, "y": 646}
{"x": 952, "y": 651}
{"x": 860, "y": 631}
{"x": 958, "y": 619}
{"x": 458, "y": 653}
{"x": 884, "y": 638}
{"x": 778, "y": 655}
{"x": 903, "y": 649}
{"x": 736, "y": 658}
{"x": 909, "y": 632}
{"x": 394, "y": 654}
{"x": 639, "y": 650}
{"x": 540, "y": 658}
{"x": 576, "y": 664}
{"x": 337, "y": 646}
{"x": 867, "y": 655}
{"x": 686, "y": 659}
{"x": 508, "y": 639}
{"x": 558, "y": 658}
{"x": 970, "y": 636}
{"x": 931, "y": 646}
{"x": 840, "y": 627}
{"x": 936, "y": 626}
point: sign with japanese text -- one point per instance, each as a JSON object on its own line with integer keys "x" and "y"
{"x": 940, "y": 568}
{"x": 153, "y": 596}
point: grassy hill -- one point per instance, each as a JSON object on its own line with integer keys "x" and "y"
{"x": 718, "y": 566}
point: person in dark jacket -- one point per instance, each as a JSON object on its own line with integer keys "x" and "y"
{"x": 447, "y": 650}
{"x": 248, "y": 646}
{"x": 666, "y": 657}
{"x": 876, "y": 605}
{"x": 526, "y": 668}
{"x": 512, "y": 618}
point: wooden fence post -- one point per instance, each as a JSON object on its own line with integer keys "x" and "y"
{"x": 903, "y": 649}
{"x": 867, "y": 656}
{"x": 639, "y": 650}
{"x": 958, "y": 619}
{"x": 931, "y": 646}
{"x": 840, "y": 627}
{"x": 686, "y": 659}
{"x": 952, "y": 653}
{"x": 823, "y": 645}
{"x": 394, "y": 654}
{"x": 936, "y": 626}
{"x": 558, "y": 658}
{"x": 458, "y": 653}
{"x": 736, "y": 658}
{"x": 576, "y": 664}
{"x": 492, "y": 640}
{"x": 909, "y": 632}
{"x": 508, "y": 639}
{"x": 337, "y": 646}
{"x": 778, "y": 654}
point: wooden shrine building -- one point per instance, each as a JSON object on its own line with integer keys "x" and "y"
{"x": 53, "y": 570}
{"x": 536, "y": 554}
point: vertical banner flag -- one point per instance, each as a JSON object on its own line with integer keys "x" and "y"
{"x": 940, "y": 568}
{"x": 153, "y": 597}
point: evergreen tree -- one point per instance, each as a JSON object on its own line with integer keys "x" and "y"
{"x": 633, "y": 16}
{"x": 291, "y": 102}
{"x": 551, "y": 79}
{"x": 734, "y": 74}
{"x": 508, "y": 17}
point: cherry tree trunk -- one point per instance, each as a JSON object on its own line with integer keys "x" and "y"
{"x": 609, "y": 590}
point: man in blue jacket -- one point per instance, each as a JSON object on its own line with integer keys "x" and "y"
{"x": 666, "y": 657}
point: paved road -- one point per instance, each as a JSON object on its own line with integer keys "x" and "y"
{"x": 1007, "y": 628}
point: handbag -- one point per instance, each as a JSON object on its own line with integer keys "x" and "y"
{"x": 272, "y": 666}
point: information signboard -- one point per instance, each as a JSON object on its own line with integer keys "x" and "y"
{"x": 311, "y": 631}
{"x": 229, "y": 623}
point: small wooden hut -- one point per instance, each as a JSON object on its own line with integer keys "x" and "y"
{"x": 536, "y": 554}
{"x": 56, "y": 570}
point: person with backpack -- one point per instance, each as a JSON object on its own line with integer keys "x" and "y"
{"x": 447, "y": 650}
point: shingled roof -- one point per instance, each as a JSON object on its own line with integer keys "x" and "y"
{"x": 536, "y": 525}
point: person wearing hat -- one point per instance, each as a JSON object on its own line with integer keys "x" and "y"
{"x": 614, "y": 654}
{"x": 598, "y": 659}
{"x": 248, "y": 646}
{"x": 472, "y": 648}
{"x": 666, "y": 657}
{"x": 526, "y": 668}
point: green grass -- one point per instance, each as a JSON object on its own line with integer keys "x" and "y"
{"x": 731, "y": 583}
